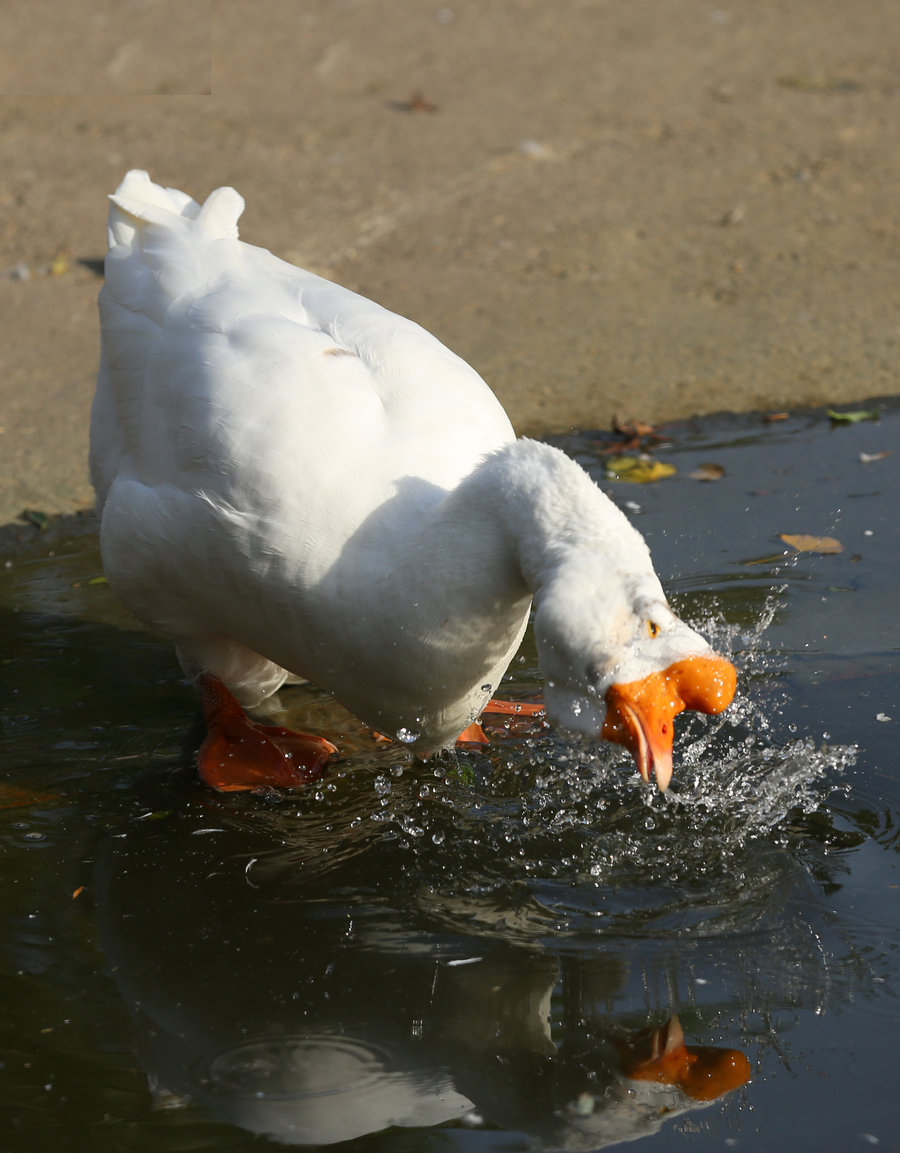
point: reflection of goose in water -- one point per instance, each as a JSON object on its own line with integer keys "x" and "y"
{"x": 315, "y": 1018}
{"x": 295, "y": 482}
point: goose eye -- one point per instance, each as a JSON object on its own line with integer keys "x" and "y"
{"x": 652, "y": 628}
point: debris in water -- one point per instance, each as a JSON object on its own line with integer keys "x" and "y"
{"x": 852, "y": 417}
{"x": 638, "y": 469}
{"x": 707, "y": 471}
{"x": 804, "y": 542}
{"x": 40, "y": 519}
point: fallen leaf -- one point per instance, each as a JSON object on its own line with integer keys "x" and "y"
{"x": 59, "y": 264}
{"x": 39, "y": 519}
{"x": 771, "y": 417}
{"x": 869, "y": 457}
{"x": 78, "y": 892}
{"x": 634, "y": 436}
{"x": 707, "y": 471}
{"x": 803, "y": 542}
{"x": 638, "y": 469}
{"x": 98, "y": 580}
{"x": 632, "y": 429}
{"x": 852, "y": 417}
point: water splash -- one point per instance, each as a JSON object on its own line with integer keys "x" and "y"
{"x": 558, "y": 832}
{"x": 536, "y": 834}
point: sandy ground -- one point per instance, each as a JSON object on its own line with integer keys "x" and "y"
{"x": 650, "y": 209}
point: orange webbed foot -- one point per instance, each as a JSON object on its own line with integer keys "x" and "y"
{"x": 239, "y": 754}
{"x": 475, "y": 734}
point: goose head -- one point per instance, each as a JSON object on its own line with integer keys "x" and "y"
{"x": 620, "y": 665}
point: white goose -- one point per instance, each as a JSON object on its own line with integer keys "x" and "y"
{"x": 296, "y": 483}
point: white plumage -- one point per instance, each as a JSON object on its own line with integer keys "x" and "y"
{"x": 292, "y": 479}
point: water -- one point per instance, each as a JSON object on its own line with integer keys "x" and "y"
{"x": 473, "y": 954}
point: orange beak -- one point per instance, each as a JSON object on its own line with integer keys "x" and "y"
{"x": 640, "y": 714}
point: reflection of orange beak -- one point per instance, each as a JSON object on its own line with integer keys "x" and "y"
{"x": 702, "y": 1072}
{"x": 640, "y": 714}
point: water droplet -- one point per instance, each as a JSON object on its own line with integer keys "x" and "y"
{"x": 382, "y": 785}
{"x": 487, "y": 688}
{"x": 407, "y": 736}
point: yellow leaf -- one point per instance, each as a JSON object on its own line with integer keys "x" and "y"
{"x": 803, "y": 542}
{"x": 638, "y": 469}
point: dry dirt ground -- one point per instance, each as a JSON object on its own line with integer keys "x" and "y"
{"x": 648, "y": 208}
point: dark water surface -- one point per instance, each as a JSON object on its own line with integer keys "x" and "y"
{"x": 477, "y": 955}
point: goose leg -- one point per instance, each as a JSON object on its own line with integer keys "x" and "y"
{"x": 240, "y": 754}
{"x": 475, "y": 734}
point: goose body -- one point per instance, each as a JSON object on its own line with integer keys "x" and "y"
{"x": 294, "y": 482}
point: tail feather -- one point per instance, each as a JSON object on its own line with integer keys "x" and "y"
{"x": 138, "y": 202}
